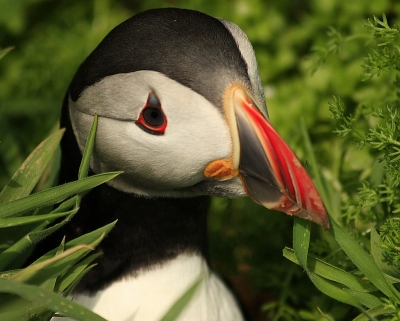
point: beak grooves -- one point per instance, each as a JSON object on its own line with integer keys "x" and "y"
{"x": 270, "y": 172}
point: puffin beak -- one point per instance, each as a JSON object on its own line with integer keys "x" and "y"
{"x": 270, "y": 172}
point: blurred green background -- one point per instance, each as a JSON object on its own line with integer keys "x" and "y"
{"x": 307, "y": 52}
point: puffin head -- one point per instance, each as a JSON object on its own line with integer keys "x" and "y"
{"x": 182, "y": 113}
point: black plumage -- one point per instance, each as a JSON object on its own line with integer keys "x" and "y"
{"x": 187, "y": 46}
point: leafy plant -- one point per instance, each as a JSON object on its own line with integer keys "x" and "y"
{"x": 308, "y": 51}
{"x": 31, "y": 292}
{"x": 371, "y": 288}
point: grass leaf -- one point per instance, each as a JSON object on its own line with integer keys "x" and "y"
{"x": 376, "y": 251}
{"x": 363, "y": 261}
{"x": 16, "y": 221}
{"x": 45, "y": 270}
{"x": 374, "y": 312}
{"x": 366, "y": 299}
{"x": 47, "y": 299}
{"x": 180, "y": 304}
{"x": 73, "y": 273}
{"x": 29, "y": 173}
{"x": 53, "y": 195}
{"x": 301, "y": 239}
{"x": 5, "y": 51}
{"x": 91, "y": 238}
{"x": 332, "y": 273}
{"x": 87, "y": 152}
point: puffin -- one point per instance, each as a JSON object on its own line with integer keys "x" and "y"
{"x": 182, "y": 113}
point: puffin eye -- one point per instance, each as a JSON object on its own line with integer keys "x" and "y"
{"x": 152, "y": 118}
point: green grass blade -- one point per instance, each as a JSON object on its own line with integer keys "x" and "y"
{"x": 74, "y": 272}
{"x": 16, "y": 221}
{"x": 40, "y": 272}
{"x": 53, "y": 195}
{"x": 88, "y": 238}
{"x": 180, "y": 304}
{"x": 37, "y": 236}
{"x": 50, "y": 283}
{"x": 7, "y": 256}
{"x": 312, "y": 160}
{"x": 14, "y": 308}
{"x": 328, "y": 194}
{"x": 32, "y": 237}
{"x": 67, "y": 291}
{"x": 49, "y": 300}
{"x": 301, "y": 239}
{"x": 29, "y": 173}
{"x": 376, "y": 251}
{"x": 332, "y": 273}
{"x": 66, "y": 205}
{"x": 363, "y": 261}
{"x": 366, "y": 299}
{"x": 336, "y": 292}
{"x": 5, "y": 51}
{"x": 87, "y": 152}
{"x": 374, "y": 312}
{"x": 333, "y": 290}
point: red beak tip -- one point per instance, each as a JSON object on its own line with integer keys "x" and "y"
{"x": 320, "y": 217}
{"x": 317, "y": 214}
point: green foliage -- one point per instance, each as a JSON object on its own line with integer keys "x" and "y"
{"x": 308, "y": 52}
{"x": 180, "y": 304}
{"x": 371, "y": 287}
{"x": 28, "y": 292}
{"x": 375, "y": 128}
{"x": 390, "y": 234}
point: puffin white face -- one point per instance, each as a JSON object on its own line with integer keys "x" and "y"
{"x": 188, "y": 127}
{"x": 162, "y": 134}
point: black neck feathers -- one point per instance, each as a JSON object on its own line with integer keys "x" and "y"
{"x": 148, "y": 232}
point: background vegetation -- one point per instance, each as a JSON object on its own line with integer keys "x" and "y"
{"x": 324, "y": 67}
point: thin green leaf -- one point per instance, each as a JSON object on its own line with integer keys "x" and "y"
{"x": 180, "y": 304}
{"x": 72, "y": 274}
{"x": 363, "y": 261}
{"x": 8, "y": 274}
{"x": 49, "y": 299}
{"x": 331, "y": 272}
{"x": 333, "y": 290}
{"x": 53, "y": 195}
{"x": 16, "y": 221}
{"x": 52, "y": 282}
{"x": 39, "y": 272}
{"x": 5, "y": 51}
{"x": 29, "y": 173}
{"x": 374, "y": 312}
{"x": 28, "y": 234}
{"x": 366, "y": 299}
{"x": 87, "y": 152}
{"x": 74, "y": 282}
{"x": 89, "y": 238}
{"x": 376, "y": 251}
{"x": 37, "y": 236}
{"x": 301, "y": 239}
{"x": 14, "y": 308}
{"x": 17, "y": 248}
{"x": 312, "y": 160}
{"x": 66, "y": 205}
{"x": 33, "y": 237}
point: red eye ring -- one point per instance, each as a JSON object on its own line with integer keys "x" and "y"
{"x": 152, "y": 118}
